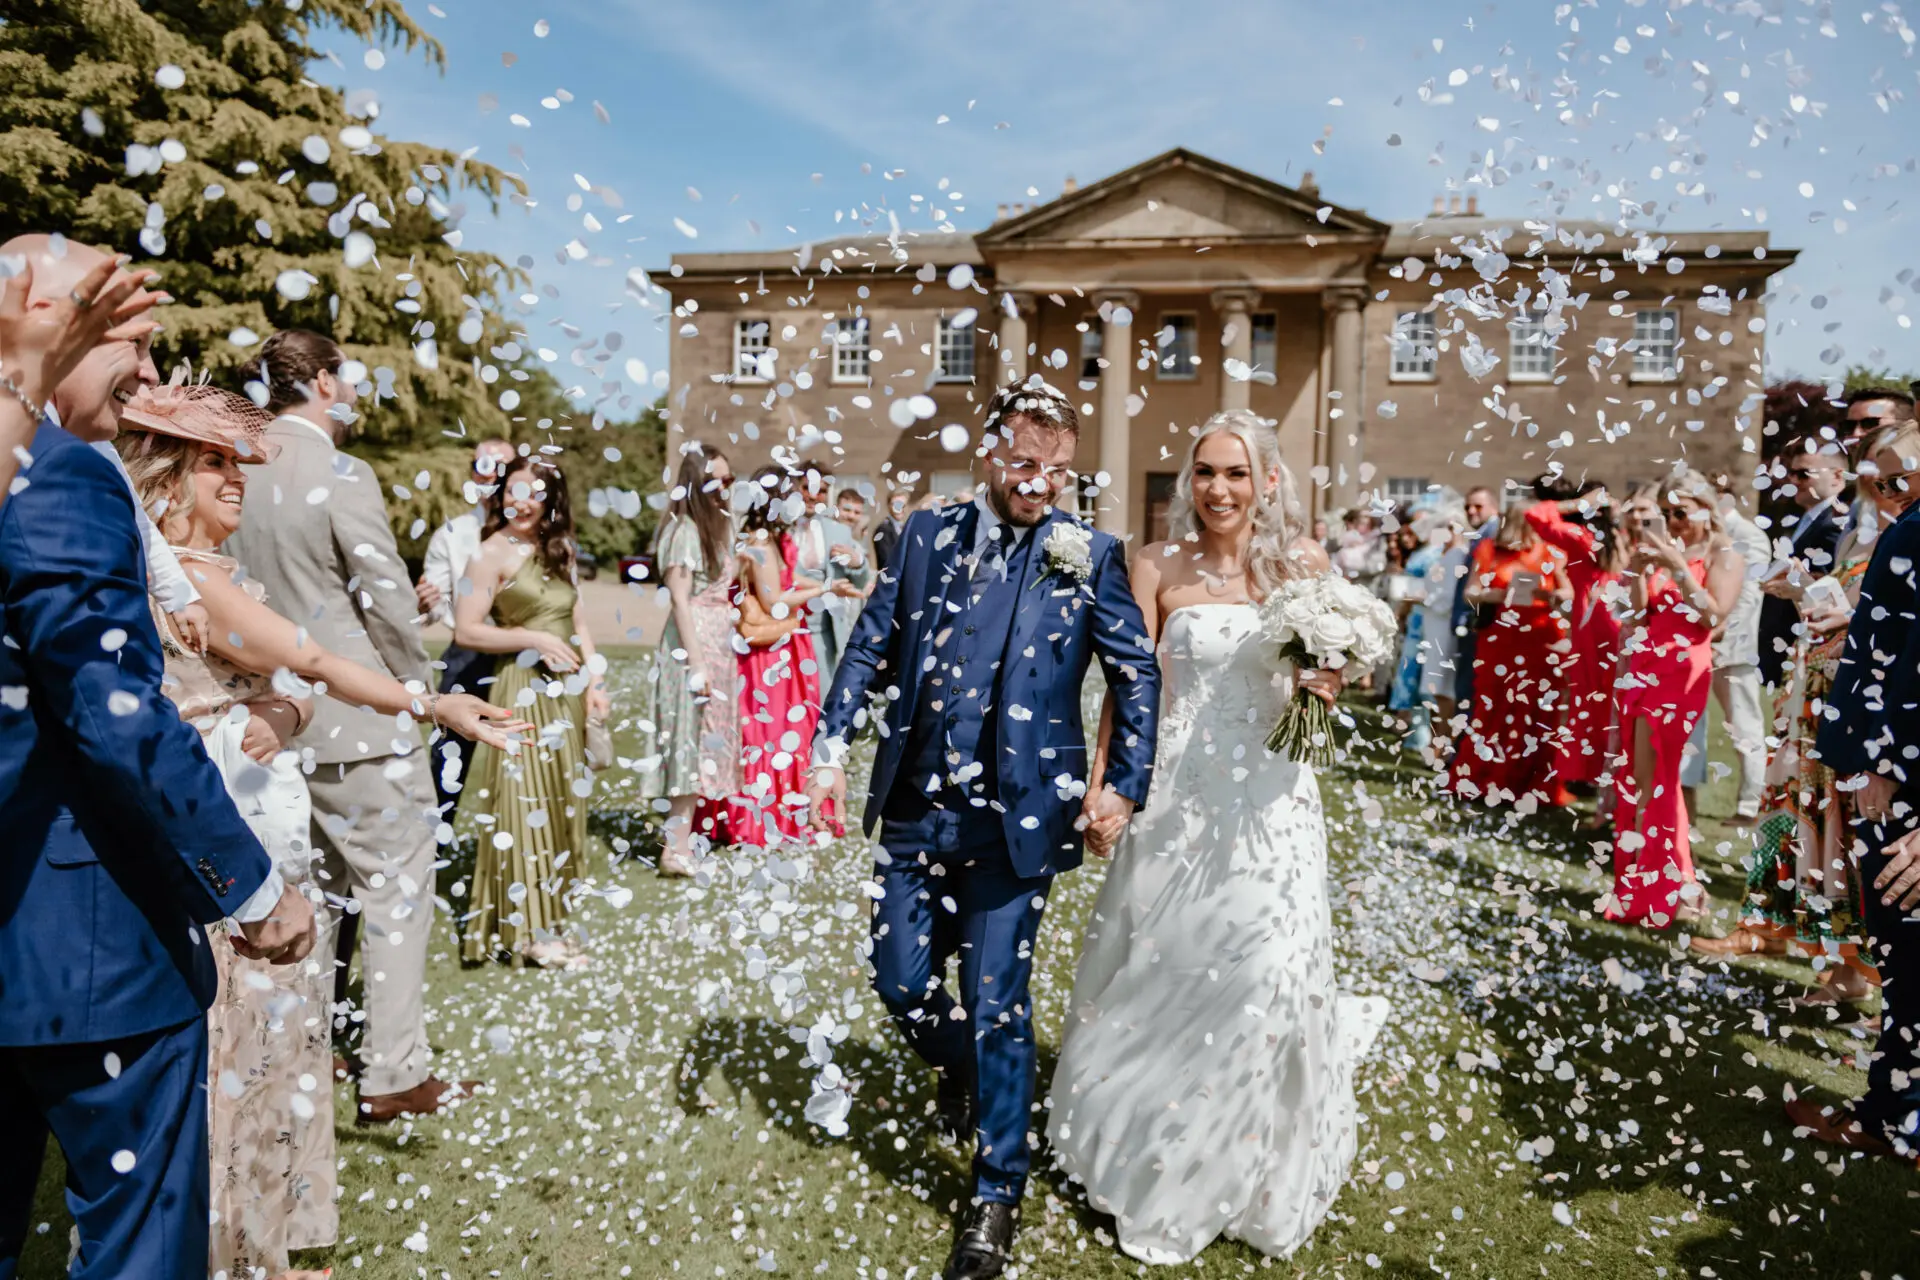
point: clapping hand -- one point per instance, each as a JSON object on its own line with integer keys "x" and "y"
{"x": 285, "y": 936}
{"x": 1105, "y": 814}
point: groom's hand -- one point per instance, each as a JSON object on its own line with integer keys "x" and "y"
{"x": 1107, "y": 813}
{"x": 828, "y": 784}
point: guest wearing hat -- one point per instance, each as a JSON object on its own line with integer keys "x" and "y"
{"x": 270, "y": 1070}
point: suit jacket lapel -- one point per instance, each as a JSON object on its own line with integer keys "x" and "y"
{"x": 941, "y": 563}
{"x": 1033, "y": 603}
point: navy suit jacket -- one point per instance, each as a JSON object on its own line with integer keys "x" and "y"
{"x": 119, "y": 840}
{"x": 1058, "y": 628}
{"x": 1873, "y": 713}
{"x": 1779, "y": 618}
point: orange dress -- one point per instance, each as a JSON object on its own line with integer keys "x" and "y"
{"x": 1669, "y": 673}
{"x": 1508, "y": 751}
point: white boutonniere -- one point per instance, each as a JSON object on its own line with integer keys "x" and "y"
{"x": 1068, "y": 552}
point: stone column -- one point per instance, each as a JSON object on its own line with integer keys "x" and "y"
{"x": 1014, "y": 310}
{"x": 1116, "y": 428}
{"x": 1236, "y": 322}
{"x": 1344, "y": 304}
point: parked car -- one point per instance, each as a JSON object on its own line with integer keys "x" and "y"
{"x": 587, "y": 565}
{"x": 638, "y": 569}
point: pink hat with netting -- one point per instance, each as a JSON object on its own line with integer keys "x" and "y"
{"x": 205, "y": 413}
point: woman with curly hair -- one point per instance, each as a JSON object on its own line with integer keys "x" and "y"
{"x": 525, "y": 605}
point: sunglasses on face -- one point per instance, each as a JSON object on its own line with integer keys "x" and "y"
{"x": 1894, "y": 486}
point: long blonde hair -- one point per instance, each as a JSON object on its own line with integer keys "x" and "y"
{"x": 161, "y": 468}
{"x": 1277, "y": 518}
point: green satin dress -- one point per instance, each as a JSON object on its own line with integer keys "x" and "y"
{"x": 532, "y": 805}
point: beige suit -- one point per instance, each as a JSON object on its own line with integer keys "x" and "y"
{"x": 315, "y": 535}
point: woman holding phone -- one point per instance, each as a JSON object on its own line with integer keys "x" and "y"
{"x": 1518, "y": 584}
{"x": 1684, "y": 576}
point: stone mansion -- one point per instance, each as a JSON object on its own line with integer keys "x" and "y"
{"x": 1458, "y": 349}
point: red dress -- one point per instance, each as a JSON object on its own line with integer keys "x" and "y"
{"x": 1669, "y": 675}
{"x": 779, "y": 711}
{"x": 1507, "y": 752}
{"x": 1593, "y": 666}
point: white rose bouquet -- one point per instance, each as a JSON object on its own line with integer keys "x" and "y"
{"x": 1322, "y": 622}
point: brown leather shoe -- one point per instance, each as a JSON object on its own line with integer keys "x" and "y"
{"x": 345, "y": 1068}
{"x": 424, "y": 1099}
{"x": 1741, "y": 942}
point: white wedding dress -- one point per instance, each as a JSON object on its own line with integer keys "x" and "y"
{"x": 1205, "y": 1084}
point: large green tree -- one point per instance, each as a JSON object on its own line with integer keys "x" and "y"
{"x": 188, "y": 134}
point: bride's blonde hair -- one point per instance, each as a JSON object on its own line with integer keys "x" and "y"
{"x": 1277, "y": 518}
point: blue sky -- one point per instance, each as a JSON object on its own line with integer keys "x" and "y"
{"x": 752, "y": 124}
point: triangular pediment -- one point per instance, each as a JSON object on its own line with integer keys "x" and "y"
{"x": 1175, "y": 197}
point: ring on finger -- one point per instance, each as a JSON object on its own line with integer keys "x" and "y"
{"x": 80, "y": 300}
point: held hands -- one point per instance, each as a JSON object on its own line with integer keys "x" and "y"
{"x": 1104, "y": 816}
{"x": 193, "y": 626}
{"x": 828, "y": 783}
{"x": 478, "y": 720}
{"x": 285, "y": 936}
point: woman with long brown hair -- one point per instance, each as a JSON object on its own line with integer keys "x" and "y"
{"x": 695, "y": 684}
{"x": 525, "y": 605}
{"x": 1518, "y": 583}
{"x": 779, "y": 675}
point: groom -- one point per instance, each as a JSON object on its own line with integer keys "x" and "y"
{"x": 980, "y": 633}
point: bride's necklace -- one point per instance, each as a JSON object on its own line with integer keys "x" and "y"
{"x": 1223, "y": 584}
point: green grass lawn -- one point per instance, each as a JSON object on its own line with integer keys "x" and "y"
{"x": 1554, "y": 1096}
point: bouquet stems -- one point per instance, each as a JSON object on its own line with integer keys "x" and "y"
{"x": 1305, "y": 731}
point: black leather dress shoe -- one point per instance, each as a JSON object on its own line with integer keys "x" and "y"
{"x": 953, "y": 1109}
{"x": 985, "y": 1244}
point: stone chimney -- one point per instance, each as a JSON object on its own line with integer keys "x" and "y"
{"x": 1473, "y": 205}
{"x": 1000, "y": 215}
{"x": 1070, "y": 186}
{"x": 1453, "y": 204}
{"x": 1309, "y": 186}
{"x": 1439, "y": 207}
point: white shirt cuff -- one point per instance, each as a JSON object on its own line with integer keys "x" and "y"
{"x": 829, "y": 753}
{"x": 259, "y": 906}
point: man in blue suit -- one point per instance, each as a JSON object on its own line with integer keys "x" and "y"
{"x": 1871, "y": 741}
{"x": 121, "y": 846}
{"x": 980, "y": 633}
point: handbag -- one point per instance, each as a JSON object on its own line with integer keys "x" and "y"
{"x": 759, "y": 628}
{"x": 599, "y": 744}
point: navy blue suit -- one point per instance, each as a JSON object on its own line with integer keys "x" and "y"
{"x": 121, "y": 842}
{"x": 1873, "y": 726}
{"x": 977, "y": 784}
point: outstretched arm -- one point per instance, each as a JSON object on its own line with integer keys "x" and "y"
{"x": 77, "y": 608}
{"x": 1554, "y": 529}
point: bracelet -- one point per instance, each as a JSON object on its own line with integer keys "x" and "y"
{"x": 38, "y": 412}
{"x": 433, "y": 710}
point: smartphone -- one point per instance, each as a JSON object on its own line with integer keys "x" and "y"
{"x": 1523, "y": 588}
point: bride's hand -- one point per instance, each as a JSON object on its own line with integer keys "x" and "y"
{"x": 1323, "y": 683}
{"x": 1105, "y": 813}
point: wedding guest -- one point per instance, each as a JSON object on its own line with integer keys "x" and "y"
{"x": 443, "y": 580}
{"x": 1736, "y": 671}
{"x": 694, "y": 682}
{"x": 1814, "y": 474}
{"x": 1361, "y": 554}
{"x": 1483, "y": 519}
{"x": 1439, "y": 639}
{"x": 525, "y": 603}
{"x": 1869, "y": 741}
{"x": 830, "y": 555}
{"x": 779, "y": 687}
{"x": 123, "y": 843}
{"x": 887, "y": 535}
{"x": 1804, "y": 890}
{"x": 1406, "y": 591}
{"x": 1580, "y": 526}
{"x": 850, "y": 505}
{"x": 1685, "y": 577}
{"x": 270, "y": 1073}
{"x": 319, "y": 542}
{"x": 1517, "y": 584}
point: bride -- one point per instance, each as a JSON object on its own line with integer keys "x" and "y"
{"x": 1205, "y": 1082}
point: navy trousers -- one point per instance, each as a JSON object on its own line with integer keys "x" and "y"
{"x": 949, "y": 888}
{"x": 135, "y": 1143}
{"x": 1891, "y": 1104}
{"x": 465, "y": 669}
